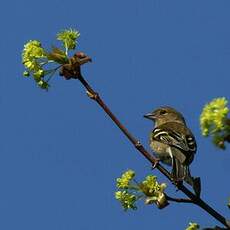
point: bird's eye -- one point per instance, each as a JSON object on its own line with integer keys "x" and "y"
{"x": 163, "y": 112}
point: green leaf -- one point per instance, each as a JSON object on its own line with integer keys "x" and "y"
{"x": 58, "y": 56}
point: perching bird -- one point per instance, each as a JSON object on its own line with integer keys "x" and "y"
{"x": 173, "y": 142}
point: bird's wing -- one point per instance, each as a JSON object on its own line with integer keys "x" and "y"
{"x": 174, "y": 138}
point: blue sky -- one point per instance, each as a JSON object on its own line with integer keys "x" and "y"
{"x": 60, "y": 154}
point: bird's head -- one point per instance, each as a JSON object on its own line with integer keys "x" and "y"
{"x": 165, "y": 114}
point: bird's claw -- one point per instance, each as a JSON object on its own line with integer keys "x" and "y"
{"x": 154, "y": 165}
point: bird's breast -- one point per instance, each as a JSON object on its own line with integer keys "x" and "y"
{"x": 162, "y": 151}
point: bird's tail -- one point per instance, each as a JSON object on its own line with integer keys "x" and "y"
{"x": 182, "y": 172}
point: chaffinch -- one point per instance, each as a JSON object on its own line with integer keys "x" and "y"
{"x": 174, "y": 143}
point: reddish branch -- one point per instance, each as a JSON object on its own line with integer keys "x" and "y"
{"x": 72, "y": 70}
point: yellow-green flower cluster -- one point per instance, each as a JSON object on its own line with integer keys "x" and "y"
{"x": 126, "y": 187}
{"x": 69, "y": 38}
{"x": 127, "y": 199}
{"x": 30, "y": 55}
{"x": 213, "y": 120}
{"x": 124, "y": 180}
{"x": 151, "y": 187}
{"x": 193, "y": 226}
{"x": 213, "y": 116}
{"x": 127, "y": 193}
{"x": 154, "y": 191}
{"x": 33, "y": 56}
{"x": 130, "y": 191}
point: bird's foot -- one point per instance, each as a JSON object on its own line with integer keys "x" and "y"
{"x": 154, "y": 165}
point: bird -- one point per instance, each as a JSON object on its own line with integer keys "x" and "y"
{"x": 173, "y": 143}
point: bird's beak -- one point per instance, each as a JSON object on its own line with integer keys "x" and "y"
{"x": 150, "y": 116}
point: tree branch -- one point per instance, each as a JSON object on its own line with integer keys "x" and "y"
{"x": 196, "y": 200}
{"x": 178, "y": 200}
{"x": 76, "y": 74}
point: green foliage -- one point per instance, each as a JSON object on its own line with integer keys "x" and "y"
{"x": 213, "y": 116}
{"x": 131, "y": 191}
{"x": 127, "y": 199}
{"x": 69, "y": 39}
{"x": 57, "y": 55}
{"x": 193, "y": 226}
{"x": 151, "y": 186}
{"x": 36, "y": 59}
{"x": 124, "y": 181}
{"x": 213, "y": 121}
{"x": 32, "y": 55}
